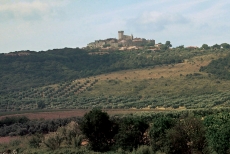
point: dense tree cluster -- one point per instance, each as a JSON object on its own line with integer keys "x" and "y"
{"x": 220, "y": 68}
{"x": 168, "y": 133}
{"x": 216, "y": 46}
{"x": 14, "y": 126}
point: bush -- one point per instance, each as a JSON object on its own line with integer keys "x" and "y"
{"x": 34, "y": 141}
{"x": 77, "y": 141}
{"x": 12, "y": 120}
{"x": 53, "y": 142}
{"x": 15, "y": 142}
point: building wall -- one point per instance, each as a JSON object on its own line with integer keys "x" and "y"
{"x": 97, "y": 44}
{"x": 127, "y": 37}
{"x": 124, "y": 40}
{"x": 120, "y": 35}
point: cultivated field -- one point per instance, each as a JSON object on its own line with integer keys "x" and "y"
{"x": 161, "y": 86}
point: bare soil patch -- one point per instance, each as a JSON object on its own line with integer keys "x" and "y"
{"x": 7, "y": 139}
{"x": 51, "y": 115}
{"x": 78, "y": 113}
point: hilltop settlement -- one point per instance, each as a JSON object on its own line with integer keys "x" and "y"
{"x": 123, "y": 42}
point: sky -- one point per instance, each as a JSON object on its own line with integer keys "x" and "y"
{"x": 40, "y": 25}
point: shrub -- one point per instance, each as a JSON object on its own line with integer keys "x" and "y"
{"x": 53, "y": 142}
{"x": 15, "y": 142}
{"x": 12, "y": 120}
{"x": 34, "y": 141}
{"x": 77, "y": 141}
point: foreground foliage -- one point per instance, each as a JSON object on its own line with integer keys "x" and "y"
{"x": 131, "y": 133}
{"x": 189, "y": 132}
{"x": 98, "y": 129}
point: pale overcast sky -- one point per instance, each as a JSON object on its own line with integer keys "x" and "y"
{"x": 48, "y": 24}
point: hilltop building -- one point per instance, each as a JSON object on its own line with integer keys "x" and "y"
{"x": 121, "y": 36}
{"x": 122, "y": 41}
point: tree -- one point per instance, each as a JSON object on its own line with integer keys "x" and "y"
{"x": 205, "y": 46}
{"x": 98, "y": 129}
{"x": 158, "y": 131}
{"x": 106, "y": 45}
{"x": 120, "y": 45}
{"x": 41, "y": 105}
{"x": 163, "y": 47}
{"x": 150, "y": 44}
{"x": 187, "y": 137}
{"x": 168, "y": 44}
{"x": 131, "y": 133}
{"x": 218, "y": 132}
{"x": 225, "y": 45}
{"x": 216, "y": 46}
{"x": 181, "y": 47}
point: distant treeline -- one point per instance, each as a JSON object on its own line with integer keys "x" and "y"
{"x": 41, "y": 68}
{"x": 15, "y": 126}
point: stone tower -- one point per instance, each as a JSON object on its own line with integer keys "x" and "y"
{"x": 120, "y": 35}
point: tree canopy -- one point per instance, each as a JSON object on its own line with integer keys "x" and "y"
{"x": 205, "y": 46}
{"x": 98, "y": 128}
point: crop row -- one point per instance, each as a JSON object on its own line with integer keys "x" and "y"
{"x": 189, "y": 102}
{"x": 66, "y": 90}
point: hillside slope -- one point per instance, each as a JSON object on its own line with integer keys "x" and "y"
{"x": 26, "y": 69}
{"x": 175, "y": 85}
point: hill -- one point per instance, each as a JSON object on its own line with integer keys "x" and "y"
{"x": 76, "y": 78}
{"x": 28, "y": 69}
